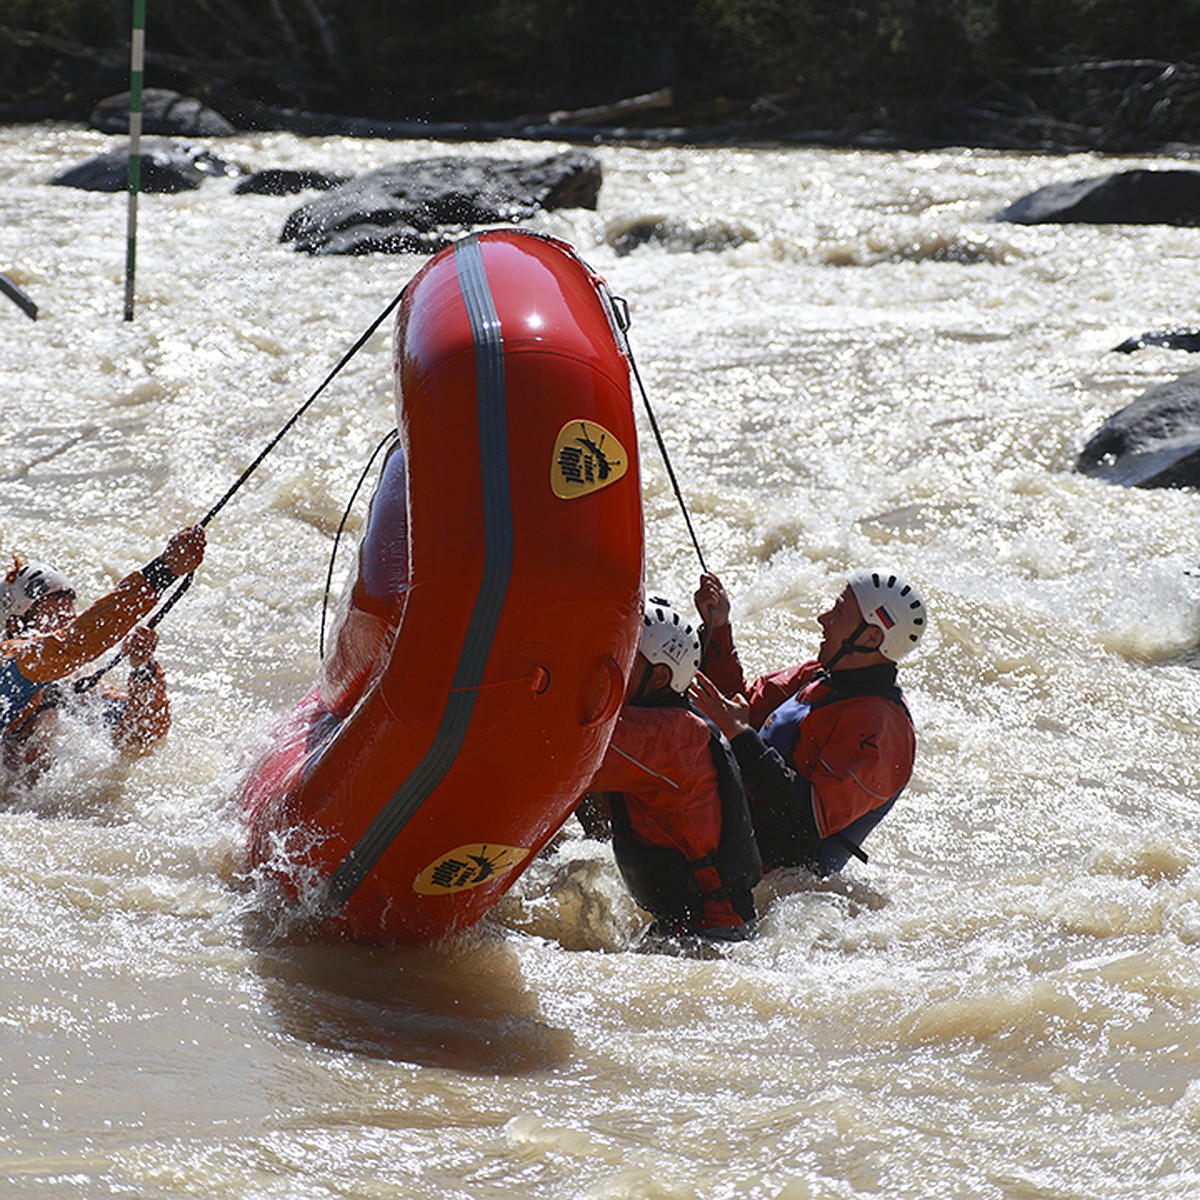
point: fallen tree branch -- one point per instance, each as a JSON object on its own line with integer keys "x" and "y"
{"x": 600, "y": 113}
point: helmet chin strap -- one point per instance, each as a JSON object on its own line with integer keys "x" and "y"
{"x": 640, "y": 692}
{"x": 850, "y": 645}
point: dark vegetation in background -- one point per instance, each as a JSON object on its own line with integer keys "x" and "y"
{"x": 1105, "y": 74}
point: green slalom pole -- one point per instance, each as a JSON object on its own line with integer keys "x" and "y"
{"x": 137, "y": 58}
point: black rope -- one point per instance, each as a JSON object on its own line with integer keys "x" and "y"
{"x": 83, "y": 685}
{"x": 389, "y": 436}
{"x": 86, "y": 685}
{"x": 662, "y": 449}
{"x": 379, "y": 320}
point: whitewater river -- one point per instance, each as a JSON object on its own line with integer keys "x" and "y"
{"x": 851, "y": 363}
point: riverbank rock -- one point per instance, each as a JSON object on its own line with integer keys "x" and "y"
{"x": 1154, "y": 442}
{"x": 166, "y": 167}
{"x": 281, "y": 181}
{"x": 1168, "y": 339}
{"x": 421, "y": 207}
{"x": 1126, "y": 198}
{"x": 163, "y": 112}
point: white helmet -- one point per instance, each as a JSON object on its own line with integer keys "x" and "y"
{"x": 891, "y": 602}
{"x": 26, "y": 584}
{"x": 668, "y": 639}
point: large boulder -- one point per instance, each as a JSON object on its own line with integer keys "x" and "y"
{"x": 421, "y": 207}
{"x": 165, "y": 167}
{"x": 164, "y": 112}
{"x": 1127, "y": 198}
{"x": 1154, "y": 442}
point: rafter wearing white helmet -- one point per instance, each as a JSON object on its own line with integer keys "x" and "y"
{"x": 26, "y": 584}
{"x": 890, "y": 602}
{"x": 669, "y": 639}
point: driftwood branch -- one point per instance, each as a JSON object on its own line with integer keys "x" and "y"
{"x": 579, "y": 125}
{"x": 602, "y": 113}
{"x": 1087, "y": 66}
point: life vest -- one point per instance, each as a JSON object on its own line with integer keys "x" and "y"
{"x": 21, "y": 698}
{"x": 669, "y": 885}
{"x": 780, "y": 731}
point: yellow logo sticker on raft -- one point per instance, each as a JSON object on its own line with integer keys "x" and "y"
{"x": 586, "y": 458}
{"x": 468, "y": 867}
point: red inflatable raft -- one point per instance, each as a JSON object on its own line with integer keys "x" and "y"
{"x": 480, "y": 655}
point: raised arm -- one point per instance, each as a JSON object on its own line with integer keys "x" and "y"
{"x": 101, "y": 626}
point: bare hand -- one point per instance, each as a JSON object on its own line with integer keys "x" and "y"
{"x": 712, "y": 601}
{"x": 139, "y": 645}
{"x": 730, "y": 716}
{"x": 185, "y": 551}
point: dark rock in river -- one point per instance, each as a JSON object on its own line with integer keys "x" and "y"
{"x": 422, "y": 206}
{"x": 1168, "y": 339}
{"x": 676, "y": 237}
{"x": 1127, "y": 198}
{"x": 166, "y": 167}
{"x": 279, "y": 181}
{"x": 1154, "y": 442}
{"x": 163, "y": 111}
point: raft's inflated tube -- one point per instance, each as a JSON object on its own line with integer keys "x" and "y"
{"x": 481, "y": 652}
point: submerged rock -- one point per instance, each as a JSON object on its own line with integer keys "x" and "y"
{"x": 422, "y": 206}
{"x": 676, "y": 237}
{"x": 1168, "y": 339}
{"x": 163, "y": 111}
{"x": 1126, "y": 198}
{"x": 166, "y": 167}
{"x": 1154, "y": 442}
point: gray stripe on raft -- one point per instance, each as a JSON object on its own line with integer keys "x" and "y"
{"x": 489, "y": 602}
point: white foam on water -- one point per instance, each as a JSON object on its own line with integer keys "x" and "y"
{"x": 1002, "y": 1003}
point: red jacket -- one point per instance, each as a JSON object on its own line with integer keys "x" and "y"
{"x": 659, "y": 758}
{"x": 855, "y": 749}
{"x": 661, "y": 761}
